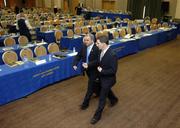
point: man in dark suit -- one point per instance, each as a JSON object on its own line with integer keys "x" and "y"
{"x": 89, "y": 56}
{"x": 24, "y": 26}
{"x": 107, "y": 69}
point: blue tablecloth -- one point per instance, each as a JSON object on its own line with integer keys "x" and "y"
{"x": 109, "y": 15}
{"x": 124, "y": 48}
{"x": 49, "y": 36}
{"x": 23, "y": 80}
{"x": 157, "y": 37}
{"x": 148, "y": 41}
{"x": 70, "y": 43}
{"x": 46, "y": 36}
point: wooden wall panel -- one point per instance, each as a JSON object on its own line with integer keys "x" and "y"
{"x": 1, "y": 3}
{"x": 108, "y": 5}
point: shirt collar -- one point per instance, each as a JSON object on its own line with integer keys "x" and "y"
{"x": 90, "y": 46}
{"x": 104, "y": 51}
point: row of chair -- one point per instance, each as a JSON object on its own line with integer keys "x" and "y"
{"x": 10, "y": 41}
{"x": 79, "y": 31}
{"x": 10, "y": 57}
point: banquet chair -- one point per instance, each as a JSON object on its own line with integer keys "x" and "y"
{"x": 9, "y": 41}
{"x": 26, "y": 52}
{"x": 53, "y": 48}
{"x": 40, "y": 50}
{"x": 58, "y": 35}
{"x": 23, "y": 40}
{"x": 70, "y": 33}
{"x": 9, "y": 58}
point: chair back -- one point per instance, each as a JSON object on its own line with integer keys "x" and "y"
{"x": 99, "y": 27}
{"x": 43, "y": 28}
{"x": 40, "y": 50}
{"x": 9, "y": 41}
{"x": 58, "y": 35}
{"x": 122, "y": 32}
{"x": 115, "y": 34}
{"x": 94, "y": 29}
{"x": 26, "y": 52}
{"x": 104, "y": 26}
{"x": 53, "y": 47}
{"x": 23, "y": 40}
{"x": 70, "y": 33}
{"x": 154, "y": 20}
{"x": 138, "y": 29}
{"x": 129, "y": 30}
{"x": 77, "y": 31}
{"x": 9, "y": 57}
{"x": 85, "y": 30}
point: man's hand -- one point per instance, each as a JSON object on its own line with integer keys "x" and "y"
{"x": 75, "y": 67}
{"x": 99, "y": 68}
{"x": 85, "y": 65}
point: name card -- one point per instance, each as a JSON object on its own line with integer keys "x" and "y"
{"x": 38, "y": 62}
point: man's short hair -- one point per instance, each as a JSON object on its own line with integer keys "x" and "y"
{"x": 103, "y": 39}
{"x": 91, "y": 36}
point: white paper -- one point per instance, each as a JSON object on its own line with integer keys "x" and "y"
{"x": 72, "y": 54}
{"x": 38, "y": 62}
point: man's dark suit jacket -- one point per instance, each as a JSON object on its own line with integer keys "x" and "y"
{"x": 23, "y": 29}
{"x": 93, "y": 60}
{"x": 109, "y": 64}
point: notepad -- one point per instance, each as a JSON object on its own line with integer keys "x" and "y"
{"x": 7, "y": 48}
{"x": 59, "y": 56}
{"x": 38, "y": 62}
{"x": 72, "y": 54}
{"x": 19, "y": 62}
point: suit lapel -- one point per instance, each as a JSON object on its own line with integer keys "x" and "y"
{"x": 104, "y": 56}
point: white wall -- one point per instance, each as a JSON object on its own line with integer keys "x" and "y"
{"x": 177, "y": 14}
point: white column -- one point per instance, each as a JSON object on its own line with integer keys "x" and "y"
{"x": 144, "y": 11}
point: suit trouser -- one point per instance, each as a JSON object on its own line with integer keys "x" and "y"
{"x": 92, "y": 88}
{"x": 106, "y": 92}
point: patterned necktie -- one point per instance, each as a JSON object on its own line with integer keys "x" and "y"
{"x": 101, "y": 55}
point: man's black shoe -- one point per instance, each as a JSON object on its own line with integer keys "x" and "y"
{"x": 113, "y": 103}
{"x": 84, "y": 106}
{"x": 96, "y": 118}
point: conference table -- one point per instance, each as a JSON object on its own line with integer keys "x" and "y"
{"x": 22, "y": 80}
{"x": 144, "y": 40}
{"x": 124, "y": 47}
{"x": 72, "y": 43}
{"x": 104, "y": 15}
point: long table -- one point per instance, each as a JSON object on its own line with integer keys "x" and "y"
{"x": 20, "y": 81}
{"x": 123, "y": 48}
{"x": 106, "y": 14}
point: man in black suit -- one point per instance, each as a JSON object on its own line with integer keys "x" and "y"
{"x": 107, "y": 69}
{"x": 89, "y": 56}
{"x": 24, "y": 26}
